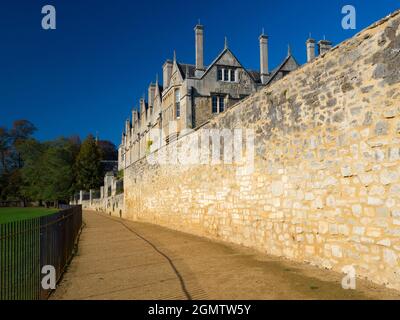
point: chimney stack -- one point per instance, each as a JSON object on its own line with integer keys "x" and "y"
{"x": 324, "y": 46}
{"x": 264, "y": 58}
{"x": 310, "y": 44}
{"x": 142, "y": 106}
{"x": 167, "y": 70}
{"x": 199, "y": 36}
{"x": 127, "y": 128}
{"x": 123, "y": 138}
{"x": 135, "y": 118}
{"x": 151, "y": 93}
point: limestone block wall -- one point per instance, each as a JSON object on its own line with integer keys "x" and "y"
{"x": 114, "y": 205}
{"x": 325, "y": 188}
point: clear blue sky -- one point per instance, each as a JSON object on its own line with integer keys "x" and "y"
{"x": 88, "y": 74}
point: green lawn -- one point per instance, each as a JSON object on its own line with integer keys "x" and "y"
{"x": 15, "y": 214}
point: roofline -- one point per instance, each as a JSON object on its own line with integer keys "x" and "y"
{"x": 218, "y": 57}
{"x": 280, "y": 67}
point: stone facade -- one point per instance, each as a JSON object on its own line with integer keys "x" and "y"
{"x": 109, "y": 199}
{"x": 325, "y": 187}
{"x": 193, "y": 94}
{"x": 113, "y": 205}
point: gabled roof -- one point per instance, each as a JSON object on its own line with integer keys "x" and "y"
{"x": 176, "y": 68}
{"x": 223, "y": 52}
{"x": 255, "y": 75}
{"x": 187, "y": 70}
{"x": 158, "y": 91}
{"x": 281, "y": 66}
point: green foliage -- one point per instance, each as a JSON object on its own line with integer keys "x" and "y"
{"x": 87, "y": 166}
{"x": 11, "y": 185}
{"x": 10, "y": 158}
{"x": 32, "y": 152}
{"x": 148, "y": 146}
{"x": 120, "y": 174}
{"x": 4, "y": 149}
{"x": 21, "y": 130}
{"x": 58, "y": 179}
{"x": 108, "y": 151}
{"x": 48, "y": 171}
{"x": 16, "y": 214}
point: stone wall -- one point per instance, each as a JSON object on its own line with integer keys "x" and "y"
{"x": 114, "y": 205}
{"x": 108, "y": 199}
{"x": 325, "y": 188}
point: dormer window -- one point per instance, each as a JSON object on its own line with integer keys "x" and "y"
{"x": 226, "y": 74}
{"x": 219, "y": 76}
{"x": 232, "y": 75}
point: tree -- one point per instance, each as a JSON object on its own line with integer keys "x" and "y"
{"x": 48, "y": 169}
{"x": 20, "y": 131}
{"x": 10, "y": 158}
{"x": 12, "y": 187}
{"x": 87, "y": 166}
{"x": 3, "y": 186}
{"x": 51, "y": 171}
{"x": 76, "y": 146}
{"x": 58, "y": 179}
{"x": 4, "y": 149}
{"x": 108, "y": 150}
{"x": 33, "y": 171}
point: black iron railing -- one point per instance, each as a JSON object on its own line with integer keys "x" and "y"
{"x": 27, "y": 246}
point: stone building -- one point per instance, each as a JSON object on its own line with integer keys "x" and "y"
{"x": 324, "y": 186}
{"x": 190, "y": 95}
